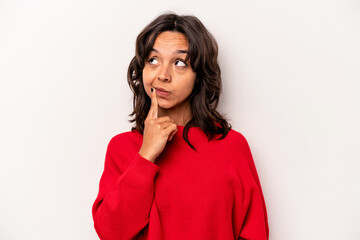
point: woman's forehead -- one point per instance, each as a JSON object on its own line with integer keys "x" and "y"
{"x": 171, "y": 40}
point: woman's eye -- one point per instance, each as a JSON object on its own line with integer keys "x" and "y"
{"x": 180, "y": 63}
{"x": 153, "y": 61}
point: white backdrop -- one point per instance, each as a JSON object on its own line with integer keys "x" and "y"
{"x": 291, "y": 87}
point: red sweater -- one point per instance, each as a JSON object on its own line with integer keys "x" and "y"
{"x": 213, "y": 193}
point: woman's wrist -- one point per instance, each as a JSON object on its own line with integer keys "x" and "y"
{"x": 147, "y": 156}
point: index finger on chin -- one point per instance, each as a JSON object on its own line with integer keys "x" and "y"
{"x": 153, "y": 112}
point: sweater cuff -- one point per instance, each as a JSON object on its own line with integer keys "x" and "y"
{"x": 140, "y": 173}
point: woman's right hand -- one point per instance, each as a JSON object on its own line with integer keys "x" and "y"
{"x": 157, "y": 131}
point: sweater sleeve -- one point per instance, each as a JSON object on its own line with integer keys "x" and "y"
{"x": 126, "y": 192}
{"x": 255, "y": 225}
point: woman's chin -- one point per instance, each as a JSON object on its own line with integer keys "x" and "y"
{"x": 164, "y": 104}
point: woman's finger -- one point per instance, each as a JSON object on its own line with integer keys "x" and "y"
{"x": 164, "y": 119}
{"x": 171, "y": 130}
{"x": 153, "y": 112}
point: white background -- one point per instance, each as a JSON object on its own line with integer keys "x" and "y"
{"x": 291, "y": 86}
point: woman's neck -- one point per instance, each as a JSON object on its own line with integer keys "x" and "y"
{"x": 180, "y": 114}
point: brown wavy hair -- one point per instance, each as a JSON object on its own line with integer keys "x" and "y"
{"x": 203, "y": 55}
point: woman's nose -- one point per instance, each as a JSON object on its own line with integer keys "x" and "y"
{"x": 165, "y": 73}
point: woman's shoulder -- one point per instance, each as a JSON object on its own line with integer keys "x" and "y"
{"x": 125, "y": 139}
{"x": 237, "y": 136}
{"x": 125, "y": 135}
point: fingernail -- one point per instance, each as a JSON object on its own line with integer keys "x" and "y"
{"x": 152, "y": 89}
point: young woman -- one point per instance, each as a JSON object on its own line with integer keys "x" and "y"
{"x": 181, "y": 172}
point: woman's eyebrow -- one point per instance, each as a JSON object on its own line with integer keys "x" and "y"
{"x": 182, "y": 51}
{"x": 176, "y": 52}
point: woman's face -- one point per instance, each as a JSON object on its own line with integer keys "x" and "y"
{"x": 167, "y": 72}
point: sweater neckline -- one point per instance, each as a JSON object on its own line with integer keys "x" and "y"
{"x": 193, "y": 131}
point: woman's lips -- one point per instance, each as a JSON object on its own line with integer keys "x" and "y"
{"x": 161, "y": 92}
